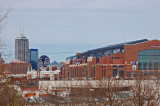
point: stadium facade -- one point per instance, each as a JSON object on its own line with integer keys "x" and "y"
{"x": 129, "y": 60}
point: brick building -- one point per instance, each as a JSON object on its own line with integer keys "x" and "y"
{"x": 129, "y": 60}
{"x": 16, "y": 70}
{"x": 15, "y": 67}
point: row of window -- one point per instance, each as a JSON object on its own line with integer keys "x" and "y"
{"x": 150, "y": 52}
{"x": 75, "y": 72}
{"x": 117, "y": 66}
{"x": 144, "y": 73}
{"x": 120, "y": 72}
{"x": 149, "y": 59}
{"x": 129, "y": 74}
{"x": 148, "y": 66}
{"x": 114, "y": 58}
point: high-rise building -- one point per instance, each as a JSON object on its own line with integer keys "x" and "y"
{"x": 33, "y": 56}
{"x": 22, "y": 48}
{"x": 43, "y": 62}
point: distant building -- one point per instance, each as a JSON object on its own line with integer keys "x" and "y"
{"x": 15, "y": 67}
{"x": 33, "y": 56}
{"x": 1, "y": 59}
{"x": 19, "y": 67}
{"x": 22, "y": 48}
{"x": 51, "y": 68}
{"x": 43, "y": 62}
{"x": 52, "y": 75}
{"x": 54, "y": 63}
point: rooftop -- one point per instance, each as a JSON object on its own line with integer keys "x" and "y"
{"x": 21, "y": 36}
{"x": 108, "y": 50}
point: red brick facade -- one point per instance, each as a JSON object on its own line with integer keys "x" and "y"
{"x": 106, "y": 66}
{"x": 15, "y": 68}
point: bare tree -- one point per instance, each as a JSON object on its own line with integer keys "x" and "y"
{"x": 3, "y": 16}
{"x": 3, "y": 21}
{"x": 144, "y": 93}
{"x": 9, "y": 94}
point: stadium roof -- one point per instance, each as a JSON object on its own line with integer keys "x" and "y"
{"x": 120, "y": 45}
{"x": 109, "y": 47}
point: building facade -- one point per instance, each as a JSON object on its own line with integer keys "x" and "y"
{"x": 22, "y": 48}
{"x": 43, "y": 62}
{"x": 33, "y": 57}
{"x": 14, "y": 67}
{"x": 52, "y": 75}
{"x": 130, "y": 60}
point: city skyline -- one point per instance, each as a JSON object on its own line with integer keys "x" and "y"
{"x": 77, "y": 26}
{"x": 80, "y": 52}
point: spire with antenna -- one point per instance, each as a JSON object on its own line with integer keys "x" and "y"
{"x": 20, "y": 30}
{"x": 23, "y": 29}
{"x": 21, "y": 35}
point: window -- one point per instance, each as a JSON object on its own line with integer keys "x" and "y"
{"x": 121, "y": 66}
{"x": 150, "y": 66}
{"x": 92, "y": 72}
{"x": 156, "y": 73}
{"x": 68, "y": 75}
{"x": 104, "y": 73}
{"x": 149, "y": 59}
{"x": 145, "y": 66}
{"x": 128, "y": 74}
{"x": 120, "y": 72}
{"x": 77, "y": 71}
{"x": 114, "y": 72}
{"x": 114, "y": 66}
{"x": 114, "y": 58}
{"x": 150, "y": 73}
{"x": 134, "y": 75}
{"x": 116, "y": 50}
{"x": 139, "y": 74}
{"x": 140, "y": 66}
{"x": 145, "y": 73}
{"x": 85, "y": 60}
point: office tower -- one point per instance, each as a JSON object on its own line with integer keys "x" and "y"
{"x": 33, "y": 56}
{"x": 43, "y": 62}
{"x": 22, "y": 48}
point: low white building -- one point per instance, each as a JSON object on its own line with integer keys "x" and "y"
{"x": 32, "y": 74}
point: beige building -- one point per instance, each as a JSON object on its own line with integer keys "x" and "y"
{"x": 22, "y": 48}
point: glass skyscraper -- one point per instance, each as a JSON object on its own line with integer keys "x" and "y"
{"x": 33, "y": 54}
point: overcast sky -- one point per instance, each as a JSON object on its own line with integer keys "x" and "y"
{"x": 78, "y": 25}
